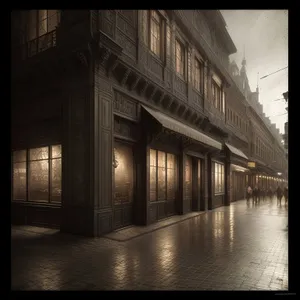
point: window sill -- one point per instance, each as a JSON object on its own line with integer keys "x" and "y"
{"x": 156, "y": 58}
{"x": 179, "y": 76}
{"x": 201, "y": 94}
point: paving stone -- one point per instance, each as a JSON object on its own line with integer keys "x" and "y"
{"x": 229, "y": 248}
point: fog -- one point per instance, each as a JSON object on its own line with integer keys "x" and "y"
{"x": 264, "y": 36}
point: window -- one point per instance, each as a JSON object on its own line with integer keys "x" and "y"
{"x": 41, "y": 22}
{"x": 162, "y": 176}
{"x": 155, "y": 33}
{"x": 41, "y": 27}
{"x": 217, "y": 96}
{"x": 223, "y": 102}
{"x": 179, "y": 58}
{"x": 198, "y": 76}
{"x": 37, "y": 174}
{"x": 219, "y": 178}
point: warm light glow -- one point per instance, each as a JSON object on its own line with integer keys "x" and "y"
{"x": 279, "y": 173}
{"x": 251, "y": 164}
{"x": 123, "y": 173}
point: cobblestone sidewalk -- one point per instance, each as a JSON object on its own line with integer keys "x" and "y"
{"x": 231, "y": 248}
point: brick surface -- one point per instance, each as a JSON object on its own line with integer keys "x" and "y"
{"x": 241, "y": 247}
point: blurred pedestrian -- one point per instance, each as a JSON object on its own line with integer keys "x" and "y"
{"x": 279, "y": 194}
{"x": 248, "y": 193}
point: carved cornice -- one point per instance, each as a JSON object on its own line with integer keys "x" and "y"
{"x": 125, "y": 77}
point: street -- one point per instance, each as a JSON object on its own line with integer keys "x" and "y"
{"x": 241, "y": 247}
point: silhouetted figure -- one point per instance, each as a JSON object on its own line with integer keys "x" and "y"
{"x": 263, "y": 194}
{"x": 286, "y": 194}
{"x": 279, "y": 194}
{"x": 255, "y": 194}
{"x": 258, "y": 194}
{"x": 248, "y": 193}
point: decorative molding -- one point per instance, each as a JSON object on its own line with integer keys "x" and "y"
{"x": 125, "y": 105}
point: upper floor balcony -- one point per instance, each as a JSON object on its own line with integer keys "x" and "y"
{"x": 33, "y": 31}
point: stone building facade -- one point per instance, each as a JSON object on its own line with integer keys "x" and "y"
{"x": 124, "y": 117}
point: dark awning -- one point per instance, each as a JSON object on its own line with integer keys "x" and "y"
{"x": 236, "y": 151}
{"x": 183, "y": 129}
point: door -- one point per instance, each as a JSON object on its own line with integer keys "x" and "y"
{"x": 123, "y": 178}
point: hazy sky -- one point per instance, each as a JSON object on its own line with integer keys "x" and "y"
{"x": 264, "y": 33}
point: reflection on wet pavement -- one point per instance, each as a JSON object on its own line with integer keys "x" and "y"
{"x": 241, "y": 247}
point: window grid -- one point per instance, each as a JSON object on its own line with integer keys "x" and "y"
{"x": 42, "y": 179}
{"x": 155, "y": 33}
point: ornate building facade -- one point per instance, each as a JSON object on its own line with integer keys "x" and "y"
{"x": 124, "y": 117}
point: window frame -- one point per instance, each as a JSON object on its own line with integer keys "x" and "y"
{"x": 38, "y": 23}
{"x": 166, "y": 176}
{"x": 49, "y": 160}
{"x": 200, "y": 63}
{"x": 178, "y": 41}
{"x": 219, "y": 169}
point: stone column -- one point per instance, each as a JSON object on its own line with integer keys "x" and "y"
{"x": 77, "y": 176}
{"x": 87, "y": 206}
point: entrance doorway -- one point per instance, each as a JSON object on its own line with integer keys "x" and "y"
{"x": 123, "y": 178}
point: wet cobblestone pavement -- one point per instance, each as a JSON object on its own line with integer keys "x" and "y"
{"x": 231, "y": 248}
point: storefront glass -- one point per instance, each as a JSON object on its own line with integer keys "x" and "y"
{"x": 40, "y": 175}
{"x": 219, "y": 178}
{"x": 162, "y": 176}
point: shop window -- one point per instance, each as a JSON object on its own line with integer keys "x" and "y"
{"x": 19, "y": 175}
{"x": 37, "y": 179}
{"x": 219, "y": 178}
{"x": 123, "y": 174}
{"x": 162, "y": 176}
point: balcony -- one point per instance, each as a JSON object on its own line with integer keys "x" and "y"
{"x": 35, "y": 46}
{"x": 40, "y": 44}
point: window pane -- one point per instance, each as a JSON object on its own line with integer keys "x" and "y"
{"x": 56, "y": 151}
{"x": 161, "y": 183}
{"x": 39, "y": 153}
{"x": 153, "y": 183}
{"x": 123, "y": 174}
{"x": 19, "y": 181}
{"x": 161, "y": 159}
{"x": 53, "y": 19}
{"x": 171, "y": 177}
{"x": 179, "y": 53}
{"x": 43, "y": 22}
{"x": 170, "y": 161}
{"x": 32, "y": 24}
{"x": 152, "y": 157}
{"x": 19, "y": 156}
{"x": 38, "y": 180}
{"x": 56, "y": 180}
